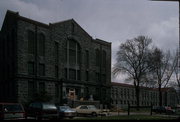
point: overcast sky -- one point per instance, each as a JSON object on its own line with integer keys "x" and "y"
{"x": 110, "y": 20}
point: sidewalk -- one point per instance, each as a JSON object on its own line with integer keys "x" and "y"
{"x": 133, "y": 113}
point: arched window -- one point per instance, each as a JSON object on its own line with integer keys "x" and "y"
{"x": 41, "y": 45}
{"x": 97, "y": 57}
{"x": 31, "y": 42}
{"x": 73, "y": 56}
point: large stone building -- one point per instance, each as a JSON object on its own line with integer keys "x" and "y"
{"x": 122, "y": 94}
{"x": 52, "y": 58}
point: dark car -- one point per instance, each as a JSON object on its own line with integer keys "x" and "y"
{"x": 12, "y": 111}
{"x": 169, "y": 110}
{"x": 40, "y": 110}
{"x": 163, "y": 109}
{"x": 159, "y": 109}
{"x": 66, "y": 111}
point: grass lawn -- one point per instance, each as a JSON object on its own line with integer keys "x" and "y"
{"x": 131, "y": 117}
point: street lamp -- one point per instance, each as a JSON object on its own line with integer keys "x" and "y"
{"x": 179, "y": 32}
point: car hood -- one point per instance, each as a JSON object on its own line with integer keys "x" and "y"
{"x": 69, "y": 111}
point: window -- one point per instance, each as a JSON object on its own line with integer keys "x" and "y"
{"x": 72, "y": 74}
{"x": 41, "y": 69}
{"x": 57, "y": 90}
{"x": 97, "y": 77}
{"x": 41, "y": 87}
{"x": 87, "y": 76}
{"x": 104, "y": 59}
{"x": 87, "y": 59}
{"x": 31, "y": 88}
{"x": 73, "y": 57}
{"x": 104, "y": 78}
{"x": 97, "y": 57}
{"x": 73, "y": 52}
{"x": 56, "y": 71}
{"x": 56, "y": 51}
{"x": 65, "y": 73}
{"x": 31, "y": 42}
{"x": 78, "y": 75}
{"x": 41, "y": 44}
{"x": 31, "y": 68}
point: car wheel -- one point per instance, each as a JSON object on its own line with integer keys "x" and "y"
{"x": 94, "y": 114}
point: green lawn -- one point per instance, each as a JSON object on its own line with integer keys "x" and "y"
{"x": 131, "y": 117}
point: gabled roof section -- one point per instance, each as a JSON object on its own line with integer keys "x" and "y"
{"x": 73, "y": 21}
{"x": 16, "y": 15}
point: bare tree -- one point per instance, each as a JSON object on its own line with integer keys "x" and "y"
{"x": 163, "y": 67}
{"x": 177, "y": 74}
{"x": 133, "y": 59}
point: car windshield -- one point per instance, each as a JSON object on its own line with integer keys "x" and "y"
{"x": 13, "y": 108}
{"x": 92, "y": 107}
{"x": 49, "y": 106}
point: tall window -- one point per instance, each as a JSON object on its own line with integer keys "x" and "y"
{"x": 104, "y": 58}
{"x": 87, "y": 76}
{"x": 73, "y": 55}
{"x": 103, "y": 78}
{"x": 57, "y": 90}
{"x": 97, "y": 77}
{"x": 41, "y": 87}
{"x": 73, "y": 52}
{"x": 31, "y": 88}
{"x": 41, "y": 44}
{"x": 72, "y": 74}
{"x": 31, "y": 42}
{"x": 97, "y": 57}
{"x": 56, "y": 51}
{"x": 56, "y": 71}
{"x": 31, "y": 68}
{"x": 41, "y": 69}
{"x": 87, "y": 59}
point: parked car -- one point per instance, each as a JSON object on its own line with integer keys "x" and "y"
{"x": 66, "y": 111}
{"x": 163, "y": 109}
{"x": 12, "y": 111}
{"x": 159, "y": 109}
{"x": 105, "y": 112}
{"x": 87, "y": 110}
{"x": 40, "y": 110}
{"x": 169, "y": 110}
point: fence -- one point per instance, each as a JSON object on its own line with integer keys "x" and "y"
{"x": 139, "y": 107}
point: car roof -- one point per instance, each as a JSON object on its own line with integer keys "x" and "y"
{"x": 10, "y": 103}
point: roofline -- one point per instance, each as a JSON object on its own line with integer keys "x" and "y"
{"x": 19, "y": 17}
{"x": 37, "y": 23}
{"x": 61, "y": 22}
{"x": 100, "y": 41}
{"x": 132, "y": 86}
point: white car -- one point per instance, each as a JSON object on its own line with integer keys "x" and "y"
{"x": 88, "y": 110}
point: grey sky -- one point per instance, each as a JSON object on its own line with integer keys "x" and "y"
{"x": 111, "y": 20}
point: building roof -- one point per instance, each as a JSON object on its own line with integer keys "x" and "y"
{"x": 132, "y": 86}
{"x": 16, "y": 14}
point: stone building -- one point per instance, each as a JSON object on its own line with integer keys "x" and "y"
{"x": 122, "y": 93}
{"x": 52, "y": 59}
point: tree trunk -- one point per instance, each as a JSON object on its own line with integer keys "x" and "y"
{"x": 137, "y": 97}
{"x": 160, "y": 95}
